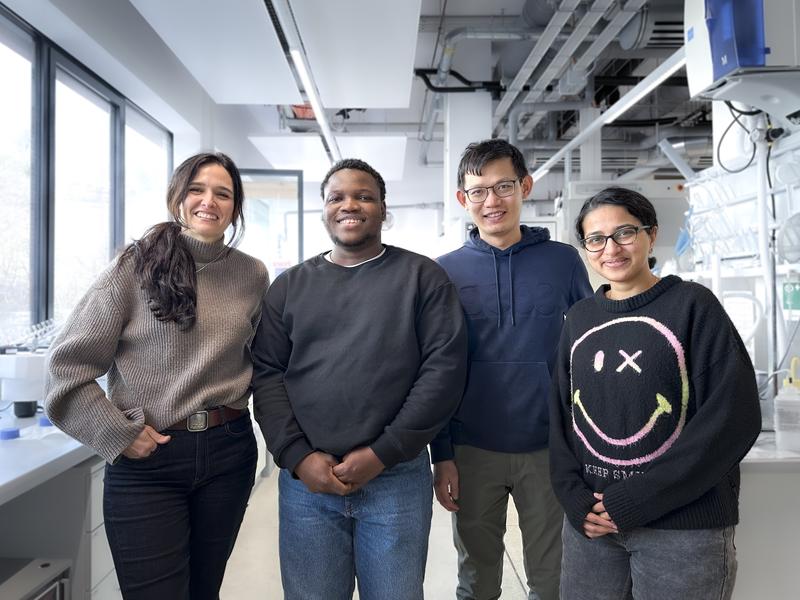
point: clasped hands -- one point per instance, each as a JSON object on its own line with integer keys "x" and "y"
{"x": 322, "y": 473}
{"x": 598, "y": 522}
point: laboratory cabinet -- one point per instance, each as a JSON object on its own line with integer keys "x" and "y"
{"x": 51, "y": 505}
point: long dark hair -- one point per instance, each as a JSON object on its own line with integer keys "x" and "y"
{"x": 162, "y": 261}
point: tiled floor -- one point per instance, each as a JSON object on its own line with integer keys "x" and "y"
{"x": 253, "y": 570}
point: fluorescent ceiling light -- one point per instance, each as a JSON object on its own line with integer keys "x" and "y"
{"x": 313, "y": 97}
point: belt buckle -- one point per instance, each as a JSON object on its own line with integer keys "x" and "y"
{"x": 197, "y": 421}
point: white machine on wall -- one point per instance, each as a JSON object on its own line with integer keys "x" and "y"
{"x": 746, "y": 51}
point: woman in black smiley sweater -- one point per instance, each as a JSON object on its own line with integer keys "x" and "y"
{"x": 654, "y": 405}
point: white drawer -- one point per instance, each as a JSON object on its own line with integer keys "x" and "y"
{"x": 96, "y": 496}
{"x": 101, "y": 562}
{"x": 108, "y": 589}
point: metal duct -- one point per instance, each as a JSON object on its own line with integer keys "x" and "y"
{"x": 582, "y": 65}
{"x": 658, "y": 26}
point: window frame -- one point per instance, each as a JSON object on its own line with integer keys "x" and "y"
{"x": 48, "y": 60}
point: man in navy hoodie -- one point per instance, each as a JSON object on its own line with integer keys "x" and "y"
{"x": 515, "y": 286}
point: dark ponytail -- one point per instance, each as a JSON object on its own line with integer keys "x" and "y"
{"x": 162, "y": 261}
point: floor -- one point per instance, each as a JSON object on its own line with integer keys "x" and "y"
{"x": 253, "y": 570}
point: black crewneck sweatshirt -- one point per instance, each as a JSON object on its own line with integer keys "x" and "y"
{"x": 372, "y": 355}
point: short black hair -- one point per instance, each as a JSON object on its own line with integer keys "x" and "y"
{"x": 478, "y": 154}
{"x": 636, "y": 204}
{"x": 359, "y": 165}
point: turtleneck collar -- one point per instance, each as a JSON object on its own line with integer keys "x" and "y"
{"x": 203, "y": 252}
{"x": 634, "y": 302}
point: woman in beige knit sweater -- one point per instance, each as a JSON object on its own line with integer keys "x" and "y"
{"x": 170, "y": 321}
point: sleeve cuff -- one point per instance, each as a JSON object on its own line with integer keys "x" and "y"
{"x": 388, "y": 454}
{"x": 111, "y": 442}
{"x": 441, "y": 450}
{"x": 622, "y": 509}
{"x": 291, "y": 456}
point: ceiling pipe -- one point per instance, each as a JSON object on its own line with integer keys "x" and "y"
{"x": 520, "y": 109}
{"x": 543, "y": 44}
{"x": 600, "y": 43}
{"x": 682, "y": 136}
{"x": 647, "y": 85}
{"x": 435, "y": 106}
{"x": 676, "y": 159}
{"x": 658, "y": 159}
{"x": 567, "y": 50}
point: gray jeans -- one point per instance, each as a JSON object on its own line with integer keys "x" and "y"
{"x": 649, "y": 564}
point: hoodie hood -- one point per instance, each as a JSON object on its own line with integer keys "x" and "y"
{"x": 530, "y": 236}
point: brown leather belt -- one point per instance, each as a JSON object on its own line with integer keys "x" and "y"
{"x": 206, "y": 419}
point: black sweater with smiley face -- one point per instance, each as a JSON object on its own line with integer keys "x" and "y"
{"x": 654, "y": 404}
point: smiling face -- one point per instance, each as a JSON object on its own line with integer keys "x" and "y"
{"x": 623, "y": 265}
{"x": 208, "y": 206}
{"x": 496, "y": 218}
{"x": 353, "y": 212}
{"x": 616, "y": 416}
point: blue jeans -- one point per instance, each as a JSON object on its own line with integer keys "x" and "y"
{"x": 649, "y": 564}
{"x": 377, "y": 535}
{"x": 172, "y": 518}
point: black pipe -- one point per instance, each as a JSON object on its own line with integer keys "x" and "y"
{"x": 617, "y": 80}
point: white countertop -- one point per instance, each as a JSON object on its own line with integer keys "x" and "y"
{"x": 764, "y": 452}
{"x": 27, "y": 462}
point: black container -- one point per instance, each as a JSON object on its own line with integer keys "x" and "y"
{"x": 25, "y": 409}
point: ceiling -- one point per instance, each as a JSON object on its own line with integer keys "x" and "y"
{"x": 362, "y": 55}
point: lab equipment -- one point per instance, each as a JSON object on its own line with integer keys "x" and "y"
{"x": 22, "y": 378}
{"x": 787, "y": 411}
{"x": 745, "y": 50}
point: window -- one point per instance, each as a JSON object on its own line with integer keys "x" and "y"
{"x": 64, "y": 176}
{"x": 147, "y": 169}
{"x": 16, "y": 283}
{"x": 82, "y": 245}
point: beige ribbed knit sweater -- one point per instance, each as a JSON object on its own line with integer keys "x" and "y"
{"x": 157, "y": 374}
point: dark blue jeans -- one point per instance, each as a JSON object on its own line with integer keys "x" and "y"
{"x": 173, "y": 517}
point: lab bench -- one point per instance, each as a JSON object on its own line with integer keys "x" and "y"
{"x": 51, "y": 505}
{"x": 769, "y": 525}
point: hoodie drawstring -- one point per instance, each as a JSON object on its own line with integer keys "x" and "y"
{"x": 511, "y": 288}
{"x": 496, "y": 286}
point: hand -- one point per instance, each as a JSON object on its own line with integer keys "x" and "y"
{"x": 145, "y": 443}
{"x": 359, "y": 467}
{"x": 445, "y": 484}
{"x": 598, "y": 522}
{"x": 316, "y": 472}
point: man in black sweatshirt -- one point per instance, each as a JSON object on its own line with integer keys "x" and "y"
{"x": 359, "y": 360}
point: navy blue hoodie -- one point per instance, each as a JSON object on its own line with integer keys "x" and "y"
{"x": 514, "y": 301}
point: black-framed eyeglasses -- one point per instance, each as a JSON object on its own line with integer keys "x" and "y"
{"x": 622, "y": 237}
{"x": 501, "y": 189}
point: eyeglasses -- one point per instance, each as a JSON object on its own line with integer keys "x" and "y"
{"x": 501, "y": 189}
{"x": 624, "y": 236}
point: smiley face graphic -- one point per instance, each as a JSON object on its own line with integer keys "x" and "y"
{"x": 630, "y": 390}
